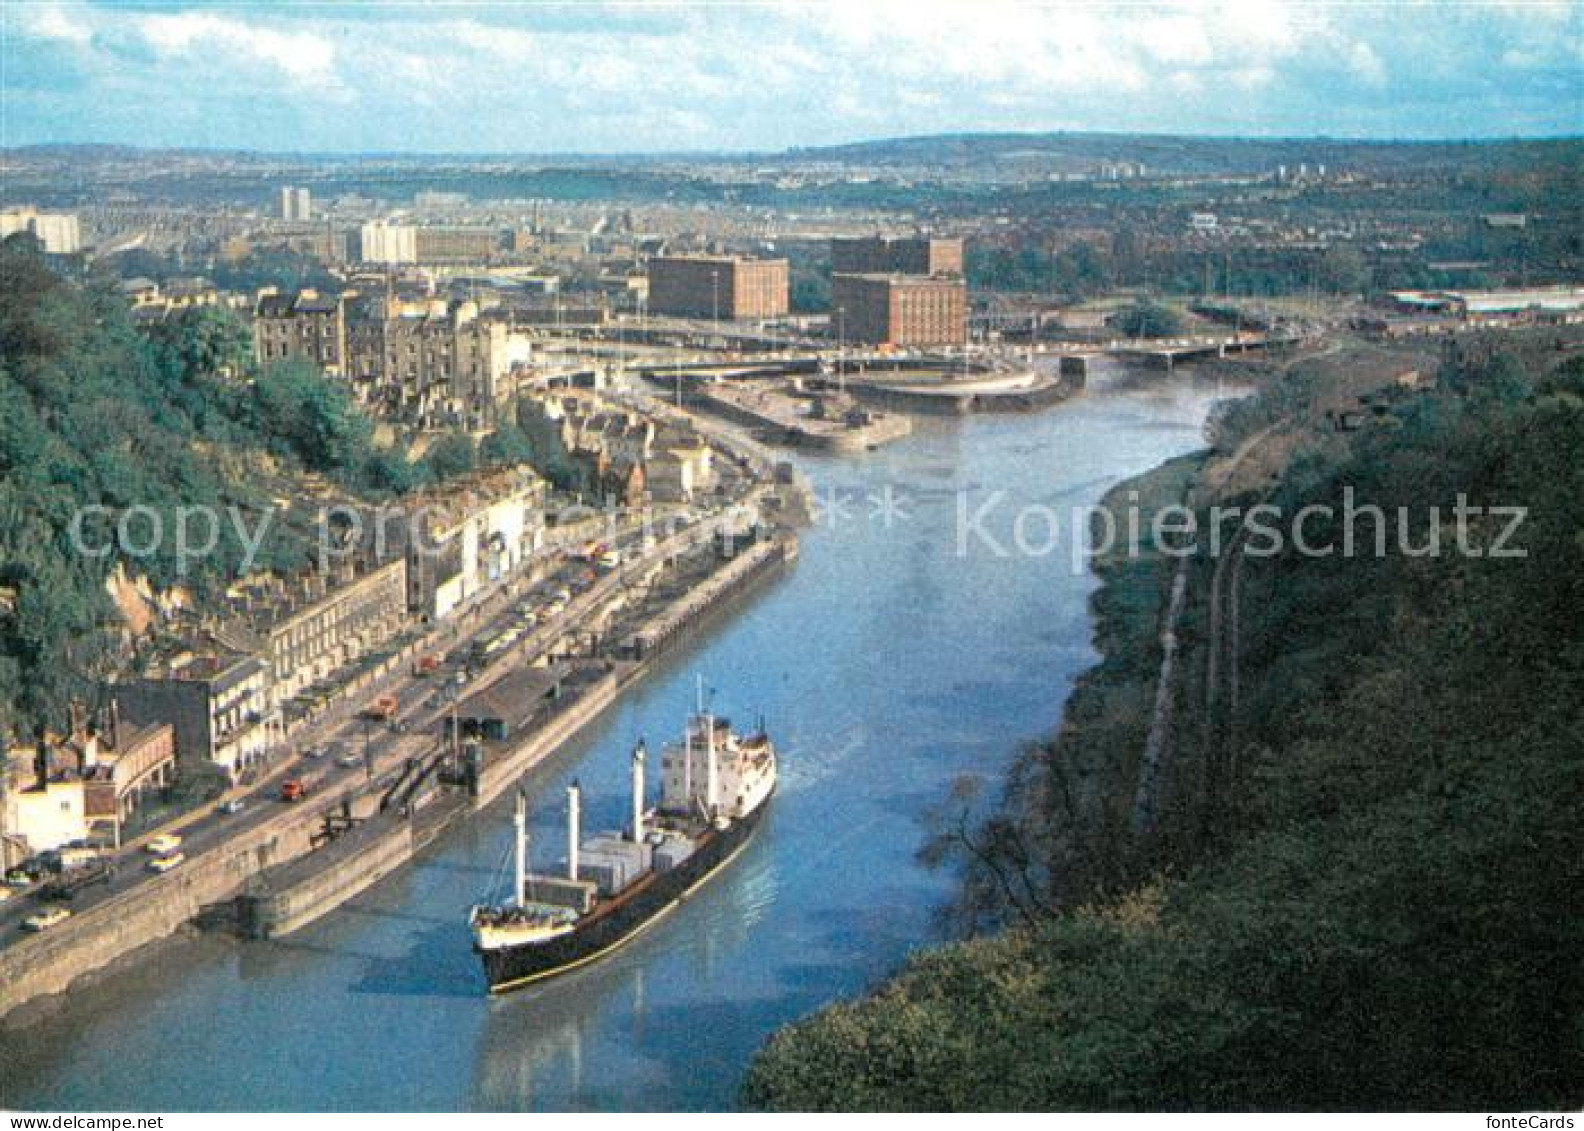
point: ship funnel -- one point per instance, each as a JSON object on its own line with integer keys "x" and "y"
{"x": 574, "y": 819}
{"x": 520, "y": 861}
{"x": 638, "y": 757}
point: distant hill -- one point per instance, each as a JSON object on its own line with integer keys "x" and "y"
{"x": 1181, "y": 154}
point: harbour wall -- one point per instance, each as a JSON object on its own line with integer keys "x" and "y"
{"x": 50, "y": 961}
{"x": 941, "y": 400}
{"x": 825, "y": 436}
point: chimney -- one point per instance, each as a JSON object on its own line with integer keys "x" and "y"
{"x": 574, "y": 820}
{"x": 638, "y": 756}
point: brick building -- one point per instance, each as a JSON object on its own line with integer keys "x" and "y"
{"x": 452, "y": 244}
{"x": 900, "y": 310}
{"x": 718, "y": 286}
{"x": 882, "y": 255}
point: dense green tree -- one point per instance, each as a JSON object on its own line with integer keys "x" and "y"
{"x": 451, "y": 456}
{"x": 311, "y": 417}
{"x": 505, "y": 446}
{"x": 1148, "y": 320}
{"x": 205, "y": 341}
{"x": 101, "y": 424}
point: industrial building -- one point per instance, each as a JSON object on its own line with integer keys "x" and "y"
{"x": 718, "y": 286}
{"x": 508, "y": 707}
{"x": 454, "y": 244}
{"x": 899, "y": 310}
{"x": 882, "y": 255}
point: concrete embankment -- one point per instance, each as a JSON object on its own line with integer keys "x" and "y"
{"x": 48, "y": 962}
{"x": 945, "y": 397}
{"x": 776, "y": 418}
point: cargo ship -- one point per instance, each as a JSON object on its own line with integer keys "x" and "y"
{"x": 715, "y": 789}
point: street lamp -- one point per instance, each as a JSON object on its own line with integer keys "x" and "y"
{"x": 841, "y": 350}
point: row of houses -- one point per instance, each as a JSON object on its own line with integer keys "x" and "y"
{"x": 81, "y": 784}
{"x": 234, "y": 683}
{"x": 427, "y": 361}
{"x": 635, "y": 457}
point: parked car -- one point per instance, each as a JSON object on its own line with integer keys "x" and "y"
{"x": 426, "y": 666}
{"x": 46, "y": 919}
{"x": 163, "y": 844}
{"x": 5, "y": 893}
{"x": 72, "y": 857}
{"x": 167, "y": 862}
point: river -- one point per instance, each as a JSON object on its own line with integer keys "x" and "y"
{"x": 886, "y": 665}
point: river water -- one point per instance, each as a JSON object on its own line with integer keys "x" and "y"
{"x": 886, "y": 663}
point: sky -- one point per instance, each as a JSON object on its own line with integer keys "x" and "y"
{"x": 522, "y": 77}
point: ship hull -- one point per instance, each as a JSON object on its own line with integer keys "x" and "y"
{"x": 629, "y": 914}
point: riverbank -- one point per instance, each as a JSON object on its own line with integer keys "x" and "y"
{"x": 1364, "y": 810}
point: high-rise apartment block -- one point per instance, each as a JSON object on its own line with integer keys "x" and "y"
{"x": 296, "y": 204}
{"x": 393, "y": 244}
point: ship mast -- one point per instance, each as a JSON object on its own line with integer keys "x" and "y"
{"x": 709, "y": 766}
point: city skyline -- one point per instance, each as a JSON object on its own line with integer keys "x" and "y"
{"x": 587, "y": 78}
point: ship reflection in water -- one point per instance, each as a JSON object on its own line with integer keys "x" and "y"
{"x": 547, "y": 1046}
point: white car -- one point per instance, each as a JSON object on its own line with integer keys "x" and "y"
{"x": 46, "y": 919}
{"x": 5, "y": 893}
{"x": 166, "y": 863}
{"x": 163, "y": 845}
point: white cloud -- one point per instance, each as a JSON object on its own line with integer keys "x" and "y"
{"x": 1366, "y": 65}
{"x": 302, "y": 56}
{"x": 53, "y": 22}
{"x": 573, "y": 76}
